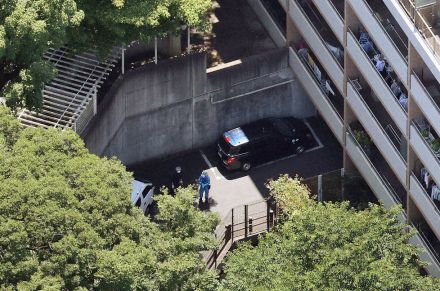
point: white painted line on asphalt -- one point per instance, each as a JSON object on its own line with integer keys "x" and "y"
{"x": 206, "y": 159}
{"x": 313, "y": 133}
{"x": 208, "y": 163}
{"x": 319, "y": 146}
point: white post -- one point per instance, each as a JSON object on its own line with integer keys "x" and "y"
{"x": 155, "y": 50}
{"x": 95, "y": 100}
{"x": 342, "y": 184}
{"x": 123, "y": 61}
{"x": 319, "y": 188}
{"x": 188, "y": 47}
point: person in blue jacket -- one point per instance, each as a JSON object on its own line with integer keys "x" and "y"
{"x": 204, "y": 186}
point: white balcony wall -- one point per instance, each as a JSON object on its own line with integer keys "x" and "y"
{"x": 414, "y": 36}
{"x": 269, "y": 24}
{"x": 381, "y": 38}
{"x": 318, "y": 98}
{"x": 376, "y": 133}
{"x": 283, "y": 3}
{"x": 429, "y": 108}
{"x": 425, "y": 154}
{"x": 380, "y": 88}
{"x": 317, "y": 45}
{"x": 332, "y": 17}
{"x": 425, "y": 205}
{"x": 369, "y": 173}
{"x": 426, "y": 255}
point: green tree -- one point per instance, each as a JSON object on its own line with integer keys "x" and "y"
{"x": 327, "y": 246}
{"x": 109, "y": 23}
{"x": 28, "y": 28}
{"x": 67, "y": 222}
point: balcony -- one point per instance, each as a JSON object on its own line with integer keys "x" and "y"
{"x": 374, "y": 179}
{"x": 428, "y": 155}
{"x": 425, "y": 204}
{"x": 377, "y": 132}
{"x": 315, "y": 90}
{"x": 427, "y": 97}
{"x": 332, "y": 16}
{"x": 427, "y": 253}
{"x": 380, "y": 87}
{"x": 315, "y": 41}
{"x": 426, "y": 22}
{"x": 381, "y": 37}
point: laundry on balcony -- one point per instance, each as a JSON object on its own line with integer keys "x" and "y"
{"x": 395, "y": 88}
{"x": 366, "y": 43}
{"x": 336, "y": 51}
{"x": 403, "y": 100}
{"x": 325, "y": 84}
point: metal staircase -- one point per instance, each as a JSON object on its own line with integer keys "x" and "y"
{"x": 70, "y": 100}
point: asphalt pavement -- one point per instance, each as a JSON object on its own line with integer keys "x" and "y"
{"x": 231, "y": 189}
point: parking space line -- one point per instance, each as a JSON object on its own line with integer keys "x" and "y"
{"x": 288, "y": 157}
{"x": 208, "y": 163}
{"x": 319, "y": 146}
{"x": 313, "y": 133}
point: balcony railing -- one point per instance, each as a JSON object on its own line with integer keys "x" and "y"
{"x": 397, "y": 48}
{"x": 321, "y": 82}
{"x": 432, "y": 142}
{"x": 390, "y": 133}
{"x": 381, "y": 77}
{"x": 338, "y": 7}
{"x": 434, "y": 252}
{"x": 422, "y": 26}
{"x": 340, "y": 62}
{"x": 421, "y": 187}
{"x": 379, "y": 85}
{"x": 435, "y": 101}
{"x": 392, "y": 193}
{"x": 315, "y": 42}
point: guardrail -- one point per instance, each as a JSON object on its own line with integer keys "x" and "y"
{"x": 242, "y": 223}
{"x": 422, "y": 25}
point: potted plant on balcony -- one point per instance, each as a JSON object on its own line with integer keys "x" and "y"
{"x": 364, "y": 140}
{"x": 425, "y": 134}
{"x": 435, "y": 145}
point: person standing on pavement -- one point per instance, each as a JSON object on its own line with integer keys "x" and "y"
{"x": 176, "y": 180}
{"x": 204, "y": 186}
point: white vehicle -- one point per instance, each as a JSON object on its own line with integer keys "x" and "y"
{"x": 142, "y": 195}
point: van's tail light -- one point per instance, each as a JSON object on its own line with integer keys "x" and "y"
{"x": 230, "y": 161}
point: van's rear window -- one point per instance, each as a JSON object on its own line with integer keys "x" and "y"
{"x": 228, "y": 148}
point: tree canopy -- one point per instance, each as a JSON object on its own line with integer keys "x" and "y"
{"x": 67, "y": 221}
{"x": 29, "y": 27}
{"x": 327, "y": 246}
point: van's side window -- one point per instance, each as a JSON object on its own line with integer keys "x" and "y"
{"x": 147, "y": 189}
{"x": 244, "y": 149}
{"x": 138, "y": 202}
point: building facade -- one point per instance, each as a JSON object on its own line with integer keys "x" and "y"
{"x": 372, "y": 70}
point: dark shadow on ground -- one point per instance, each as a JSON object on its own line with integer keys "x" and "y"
{"x": 326, "y": 159}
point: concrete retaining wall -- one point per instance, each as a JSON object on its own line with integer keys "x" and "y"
{"x": 159, "y": 110}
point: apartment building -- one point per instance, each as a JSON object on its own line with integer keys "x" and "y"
{"x": 372, "y": 70}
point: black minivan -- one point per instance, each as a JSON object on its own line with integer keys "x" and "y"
{"x": 262, "y": 140}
